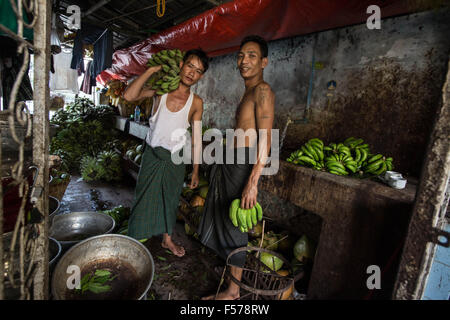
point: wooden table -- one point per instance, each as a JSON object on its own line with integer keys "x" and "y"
{"x": 363, "y": 223}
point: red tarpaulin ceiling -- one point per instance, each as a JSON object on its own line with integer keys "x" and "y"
{"x": 220, "y": 30}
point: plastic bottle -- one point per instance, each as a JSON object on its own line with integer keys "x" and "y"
{"x": 137, "y": 114}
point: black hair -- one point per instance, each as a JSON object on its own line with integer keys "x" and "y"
{"x": 260, "y": 41}
{"x": 201, "y": 55}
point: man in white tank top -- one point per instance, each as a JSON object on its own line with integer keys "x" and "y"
{"x": 160, "y": 181}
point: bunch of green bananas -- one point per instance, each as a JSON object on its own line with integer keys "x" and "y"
{"x": 339, "y": 163}
{"x": 90, "y": 169}
{"x": 311, "y": 154}
{"x": 167, "y": 79}
{"x": 359, "y": 150}
{"x": 352, "y": 157}
{"x": 378, "y": 164}
{"x": 244, "y": 219}
{"x": 110, "y": 162}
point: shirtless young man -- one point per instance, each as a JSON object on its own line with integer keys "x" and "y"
{"x": 255, "y": 112}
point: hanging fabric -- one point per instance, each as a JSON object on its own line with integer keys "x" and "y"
{"x": 64, "y": 77}
{"x": 11, "y": 65}
{"x": 103, "y": 48}
{"x": 54, "y": 38}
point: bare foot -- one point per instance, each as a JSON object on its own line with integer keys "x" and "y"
{"x": 224, "y": 295}
{"x": 176, "y": 250}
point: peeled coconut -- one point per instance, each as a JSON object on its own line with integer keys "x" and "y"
{"x": 197, "y": 201}
{"x": 303, "y": 249}
{"x": 271, "y": 261}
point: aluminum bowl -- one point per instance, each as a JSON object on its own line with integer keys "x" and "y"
{"x": 54, "y": 250}
{"x": 53, "y": 207}
{"x": 71, "y": 228}
{"x": 124, "y": 256}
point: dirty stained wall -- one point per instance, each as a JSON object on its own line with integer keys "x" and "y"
{"x": 388, "y": 85}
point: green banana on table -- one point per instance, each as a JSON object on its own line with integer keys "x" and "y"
{"x": 351, "y": 157}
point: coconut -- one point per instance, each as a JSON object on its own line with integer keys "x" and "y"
{"x": 188, "y": 230}
{"x": 197, "y": 201}
{"x": 287, "y": 243}
{"x": 270, "y": 239}
{"x": 203, "y": 192}
{"x": 256, "y": 231}
{"x": 303, "y": 249}
{"x": 271, "y": 261}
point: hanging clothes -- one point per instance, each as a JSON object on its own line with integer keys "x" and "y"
{"x": 8, "y": 19}
{"x": 102, "y": 40}
{"x": 86, "y": 85}
{"x": 11, "y": 65}
{"x": 64, "y": 78}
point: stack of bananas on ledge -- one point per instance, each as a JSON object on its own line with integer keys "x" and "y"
{"x": 351, "y": 157}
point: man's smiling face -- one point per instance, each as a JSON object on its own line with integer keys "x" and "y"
{"x": 250, "y": 61}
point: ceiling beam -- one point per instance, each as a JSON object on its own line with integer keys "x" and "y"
{"x": 214, "y": 2}
{"x": 95, "y": 7}
{"x": 136, "y": 11}
{"x": 174, "y": 16}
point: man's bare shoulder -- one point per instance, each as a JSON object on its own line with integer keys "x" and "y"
{"x": 198, "y": 102}
{"x": 262, "y": 92}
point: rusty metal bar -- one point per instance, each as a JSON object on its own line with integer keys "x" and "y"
{"x": 41, "y": 139}
{"x": 429, "y": 209}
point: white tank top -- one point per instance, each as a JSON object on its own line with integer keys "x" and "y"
{"x": 167, "y": 128}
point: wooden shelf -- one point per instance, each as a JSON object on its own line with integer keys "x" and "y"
{"x": 139, "y": 130}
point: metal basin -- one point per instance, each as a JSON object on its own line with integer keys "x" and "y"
{"x": 126, "y": 258}
{"x": 74, "y": 227}
{"x": 54, "y": 250}
{"x": 12, "y": 292}
{"x": 53, "y": 206}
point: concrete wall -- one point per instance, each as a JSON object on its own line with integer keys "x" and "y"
{"x": 389, "y": 84}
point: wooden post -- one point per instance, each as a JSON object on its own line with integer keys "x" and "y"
{"x": 41, "y": 139}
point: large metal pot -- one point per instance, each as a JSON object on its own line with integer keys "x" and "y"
{"x": 126, "y": 258}
{"x": 71, "y": 228}
{"x": 54, "y": 250}
{"x": 53, "y": 208}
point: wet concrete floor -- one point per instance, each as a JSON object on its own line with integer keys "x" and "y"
{"x": 189, "y": 277}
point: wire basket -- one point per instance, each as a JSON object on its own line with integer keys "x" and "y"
{"x": 258, "y": 282}
{"x": 58, "y": 190}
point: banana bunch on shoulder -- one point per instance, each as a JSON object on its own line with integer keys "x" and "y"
{"x": 167, "y": 79}
{"x": 244, "y": 219}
